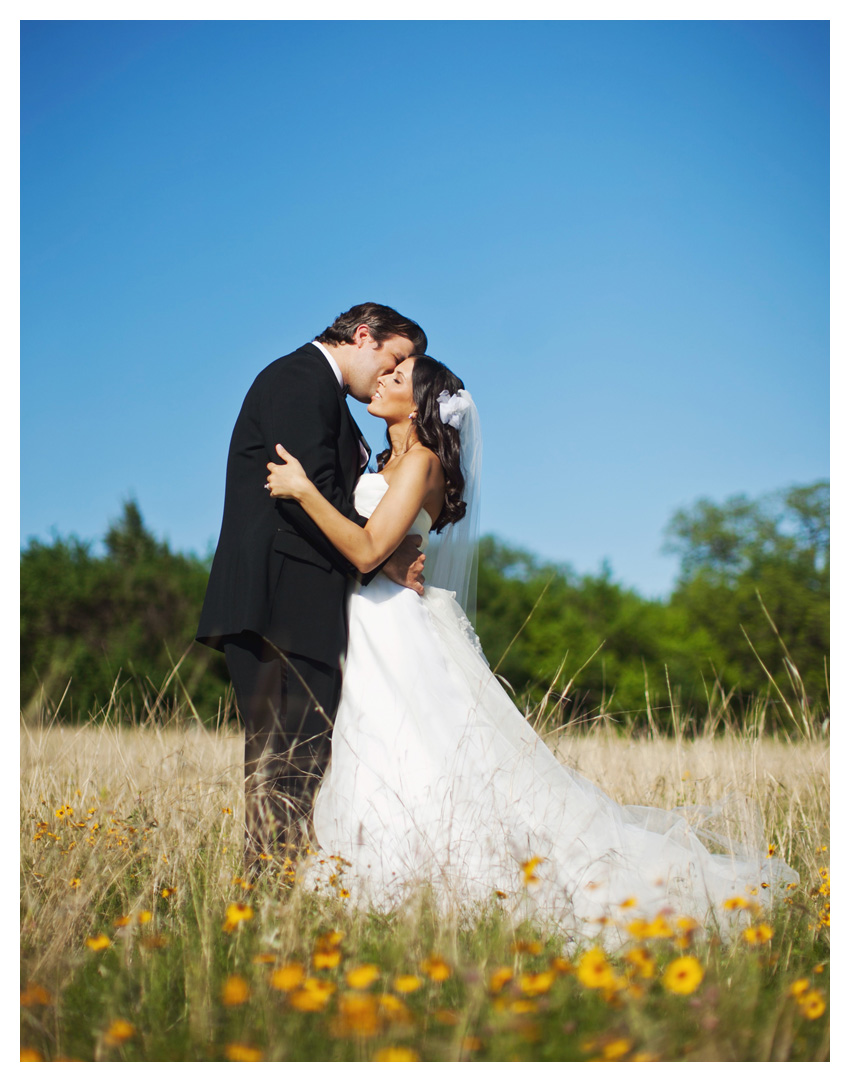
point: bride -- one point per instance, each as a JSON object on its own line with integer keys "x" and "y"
{"x": 435, "y": 777}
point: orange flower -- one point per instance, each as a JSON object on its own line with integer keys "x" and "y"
{"x": 395, "y": 1054}
{"x": 327, "y": 959}
{"x": 760, "y": 933}
{"x": 235, "y": 913}
{"x": 524, "y": 946}
{"x": 313, "y": 996}
{"x": 35, "y": 996}
{"x": 242, "y": 1053}
{"x": 393, "y": 1008}
{"x": 594, "y": 971}
{"x": 528, "y": 870}
{"x": 119, "y": 1031}
{"x": 812, "y": 1004}
{"x": 363, "y": 976}
{"x": 358, "y": 1015}
{"x": 436, "y": 968}
{"x": 683, "y": 976}
{"x": 263, "y": 959}
{"x": 641, "y": 962}
{"x": 328, "y": 941}
{"x": 235, "y": 991}
{"x": 30, "y": 1055}
{"x": 499, "y": 978}
{"x": 616, "y": 1049}
{"x": 535, "y": 984}
{"x": 287, "y": 977}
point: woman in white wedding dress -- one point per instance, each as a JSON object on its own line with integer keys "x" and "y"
{"x": 435, "y": 777}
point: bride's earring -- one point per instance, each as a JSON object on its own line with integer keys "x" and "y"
{"x": 411, "y": 416}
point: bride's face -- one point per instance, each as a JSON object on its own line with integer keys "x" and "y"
{"x": 393, "y": 400}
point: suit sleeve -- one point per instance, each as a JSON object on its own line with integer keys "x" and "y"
{"x": 303, "y": 414}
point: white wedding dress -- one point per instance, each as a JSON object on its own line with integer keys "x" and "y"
{"x": 436, "y": 778}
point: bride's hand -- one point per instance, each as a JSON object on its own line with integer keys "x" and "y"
{"x": 286, "y": 480}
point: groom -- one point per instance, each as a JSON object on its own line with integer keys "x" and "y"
{"x": 275, "y": 602}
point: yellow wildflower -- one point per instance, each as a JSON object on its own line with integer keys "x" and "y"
{"x": 74, "y": 883}
{"x": 313, "y": 996}
{"x": 287, "y": 977}
{"x": 499, "y": 978}
{"x": 34, "y": 995}
{"x": 641, "y": 962}
{"x": 522, "y": 1006}
{"x": 798, "y": 987}
{"x": 328, "y": 941}
{"x": 327, "y": 959}
{"x": 395, "y": 1054}
{"x": 264, "y": 959}
{"x": 616, "y": 1049}
{"x": 594, "y": 970}
{"x": 119, "y": 1031}
{"x": 393, "y": 1007}
{"x": 524, "y": 946}
{"x": 528, "y": 870}
{"x": 30, "y": 1055}
{"x": 242, "y": 1053}
{"x": 534, "y": 984}
{"x": 145, "y": 916}
{"x": 235, "y": 913}
{"x": 436, "y": 968}
{"x": 358, "y": 1015}
{"x": 363, "y": 976}
{"x": 760, "y": 933}
{"x": 812, "y": 1004}
{"x": 235, "y": 991}
{"x": 98, "y": 942}
{"x": 683, "y": 976}
{"x": 407, "y": 982}
{"x": 737, "y": 903}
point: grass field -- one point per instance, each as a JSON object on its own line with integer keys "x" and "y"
{"x": 141, "y": 942}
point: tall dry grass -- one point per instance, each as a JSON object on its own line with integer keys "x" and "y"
{"x": 133, "y": 833}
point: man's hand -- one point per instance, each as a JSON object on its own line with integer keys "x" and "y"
{"x": 406, "y": 564}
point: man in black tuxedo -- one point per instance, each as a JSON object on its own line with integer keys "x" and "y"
{"x": 275, "y": 602}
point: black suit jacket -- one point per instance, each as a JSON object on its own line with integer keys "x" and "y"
{"x": 274, "y": 572}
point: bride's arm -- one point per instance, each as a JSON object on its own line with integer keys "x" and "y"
{"x": 417, "y": 476}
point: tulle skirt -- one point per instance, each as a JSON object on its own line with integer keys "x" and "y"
{"x": 436, "y": 779}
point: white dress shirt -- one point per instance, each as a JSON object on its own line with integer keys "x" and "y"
{"x": 364, "y": 454}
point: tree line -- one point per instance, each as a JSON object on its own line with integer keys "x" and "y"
{"x": 747, "y": 621}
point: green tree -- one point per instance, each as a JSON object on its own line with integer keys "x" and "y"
{"x": 759, "y": 570}
{"x": 95, "y": 624}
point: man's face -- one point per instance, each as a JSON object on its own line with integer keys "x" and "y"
{"x": 373, "y": 360}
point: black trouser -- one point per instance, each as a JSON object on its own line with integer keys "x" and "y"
{"x": 287, "y": 706}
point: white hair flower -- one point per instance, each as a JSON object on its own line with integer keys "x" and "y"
{"x": 452, "y": 408}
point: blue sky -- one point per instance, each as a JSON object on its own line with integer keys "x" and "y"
{"x": 617, "y": 233}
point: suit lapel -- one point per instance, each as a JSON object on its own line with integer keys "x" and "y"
{"x": 355, "y": 431}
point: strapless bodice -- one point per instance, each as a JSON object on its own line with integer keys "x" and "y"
{"x": 371, "y": 489}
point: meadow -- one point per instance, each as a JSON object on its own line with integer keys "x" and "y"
{"x": 141, "y": 941}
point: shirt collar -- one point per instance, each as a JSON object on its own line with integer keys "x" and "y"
{"x": 336, "y": 369}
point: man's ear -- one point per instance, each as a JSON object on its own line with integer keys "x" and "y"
{"x": 363, "y": 336}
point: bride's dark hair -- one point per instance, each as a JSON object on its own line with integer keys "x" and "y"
{"x": 430, "y": 377}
